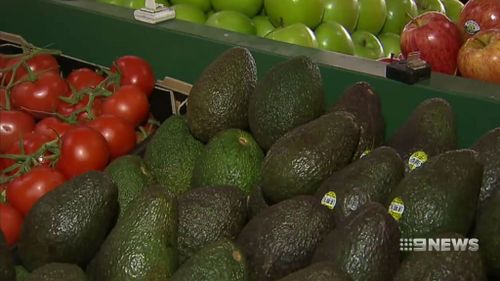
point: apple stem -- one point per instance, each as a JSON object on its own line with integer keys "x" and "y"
{"x": 483, "y": 43}
{"x": 412, "y": 18}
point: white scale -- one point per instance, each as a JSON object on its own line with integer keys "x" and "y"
{"x": 154, "y": 13}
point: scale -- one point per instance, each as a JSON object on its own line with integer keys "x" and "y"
{"x": 154, "y": 13}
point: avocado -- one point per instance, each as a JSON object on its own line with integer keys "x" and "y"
{"x": 361, "y": 101}
{"x": 281, "y": 239}
{"x": 300, "y": 160}
{"x": 232, "y": 157}
{"x": 69, "y": 223}
{"x": 291, "y": 94}
{"x": 219, "y": 99}
{"x": 488, "y": 232}
{"x": 131, "y": 176}
{"x": 21, "y": 273}
{"x": 57, "y": 272}
{"x": 370, "y": 178}
{"x": 142, "y": 245}
{"x": 171, "y": 154}
{"x": 208, "y": 214}
{"x": 321, "y": 271}
{"x": 442, "y": 265}
{"x": 438, "y": 197}
{"x": 218, "y": 261}
{"x": 7, "y": 270}
{"x": 256, "y": 201}
{"x": 366, "y": 247}
{"x": 488, "y": 147}
{"x": 429, "y": 131}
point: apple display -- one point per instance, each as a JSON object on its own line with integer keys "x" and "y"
{"x": 298, "y": 34}
{"x": 436, "y": 38}
{"x": 263, "y": 25}
{"x": 453, "y": 9}
{"x": 333, "y": 37}
{"x": 188, "y": 12}
{"x": 479, "y": 15}
{"x": 345, "y": 12}
{"x": 367, "y": 45}
{"x": 430, "y": 5}
{"x": 372, "y": 15}
{"x": 391, "y": 44}
{"x": 247, "y": 7}
{"x": 399, "y": 13}
{"x": 232, "y": 21}
{"x": 479, "y": 57}
{"x": 204, "y": 5}
{"x": 287, "y": 12}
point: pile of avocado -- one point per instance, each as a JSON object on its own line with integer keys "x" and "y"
{"x": 261, "y": 182}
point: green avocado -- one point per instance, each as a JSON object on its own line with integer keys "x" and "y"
{"x": 7, "y": 269}
{"x": 57, "y": 272}
{"x": 256, "y": 201}
{"x": 321, "y": 271}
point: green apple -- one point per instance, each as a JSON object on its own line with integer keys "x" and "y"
{"x": 189, "y": 12}
{"x": 453, "y": 9}
{"x": 263, "y": 25}
{"x": 204, "y": 5}
{"x": 232, "y": 21}
{"x": 298, "y": 34}
{"x": 430, "y": 5}
{"x": 209, "y": 13}
{"x": 391, "y": 43}
{"x": 399, "y": 13}
{"x": 134, "y": 4}
{"x": 332, "y": 36}
{"x": 247, "y": 7}
{"x": 367, "y": 45}
{"x": 345, "y": 12}
{"x": 372, "y": 15}
{"x": 287, "y": 12}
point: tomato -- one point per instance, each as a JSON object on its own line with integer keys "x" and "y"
{"x": 40, "y": 96}
{"x": 119, "y": 133}
{"x": 24, "y": 191}
{"x": 13, "y": 125}
{"x": 67, "y": 109}
{"x": 84, "y": 78}
{"x": 3, "y": 63}
{"x": 129, "y": 103}
{"x": 10, "y": 223}
{"x": 31, "y": 143}
{"x": 3, "y": 98}
{"x": 38, "y": 63}
{"x": 52, "y": 127}
{"x": 135, "y": 71}
{"x": 83, "y": 149}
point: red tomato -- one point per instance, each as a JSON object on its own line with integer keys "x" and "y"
{"x": 3, "y": 63}
{"x": 129, "y": 103}
{"x": 10, "y": 223}
{"x": 3, "y": 97}
{"x": 84, "y": 78}
{"x": 83, "y": 149}
{"x": 13, "y": 125}
{"x": 52, "y": 127}
{"x": 40, "y": 96}
{"x": 24, "y": 191}
{"x": 38, "y": 63}
{"x": 135, "y": 71}
{"x": 67, "y": 109}
{"x": 31, "y": 143}
{"x": 119, "y": 133}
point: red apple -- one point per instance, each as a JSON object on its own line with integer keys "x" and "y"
{"x": 479, "y": 15}
{"x": 479, "y": 57}
{"x": 437, "y": 39}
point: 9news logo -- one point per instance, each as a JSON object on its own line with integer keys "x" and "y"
{"x": 438, "y": 244}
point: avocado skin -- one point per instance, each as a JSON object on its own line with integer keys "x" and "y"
{"x": 7, "y": 269}
{"x": 488, "y": 232}
{"x": 488, "y": 147}
{"x": 256, "y": 201}
{"x": 142, "y": 245}
{"x": 370, "y": 178}
{"x": 207, "y": 215}
{"x": 282, "y": 238}
{"x": 219, "y": 99}
{"x": 442, "y": 266}
{"x": 291, "y": 94}
{"x": 68, "y": 224}
{"x": 361, "y": 101}
{"x": 232, "y": 157}
{"x": 57, "y": 272}
{"x": 441, "y": 195}
{"x": 171, "y": 154}
{"x": 131, "y": 176}
{"x": 300, "y": 160}
{"x": 21, "y": 273}
{"x": 430, "y": 128}
{"x": 321, "y": 271}
{"x": 218, "y": 261}
{"x": 366, "y": 247}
